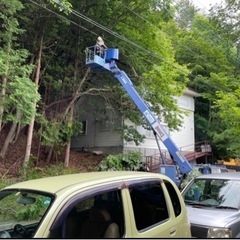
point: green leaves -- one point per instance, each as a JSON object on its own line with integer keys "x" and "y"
{"x": 62, "y": 5}
{"x": 228, "y": 106}
{"x": 161, "y": 54}
{"x": 19, "y": 94}
{"x": 119, "y": 162}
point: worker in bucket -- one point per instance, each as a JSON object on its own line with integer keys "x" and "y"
{"x": 100, "y": 47}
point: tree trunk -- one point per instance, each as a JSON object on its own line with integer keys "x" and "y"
{"x": 4, "y": 82}
{"x": 50, "y": 153}
{"x": 70, "y": 107}
{"x": 67, "y": 152}
{"x": 76, "y": 93}
{"x": 18, "y": 131}
{"x": 31, "y": 125}
{"x": 10, "y": 136}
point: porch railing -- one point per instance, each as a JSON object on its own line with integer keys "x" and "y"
{"x": 191, "y": 152}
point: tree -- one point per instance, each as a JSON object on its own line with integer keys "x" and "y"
{"x": 229, "y": 114}
{"x": 135, "y": 63}
{"x": 226, "y": 105}
{"x": 17, "y": 91}
{"x": 56, "y": 35}
{"x": 203, "y": 48}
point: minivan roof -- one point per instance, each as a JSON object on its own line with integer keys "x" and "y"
{"x": 58, "y": 183}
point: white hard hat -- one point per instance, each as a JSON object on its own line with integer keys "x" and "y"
{"x": 99, "y": 39}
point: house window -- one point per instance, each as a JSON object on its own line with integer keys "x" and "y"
{"x": 84, "y": 128}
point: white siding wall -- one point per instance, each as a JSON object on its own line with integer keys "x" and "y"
{"x": 102, "y": 136}
{"x": 98, "y": 135}
{"x": 184, "y": 138}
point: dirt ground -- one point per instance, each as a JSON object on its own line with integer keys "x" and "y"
{"x": 12, "y": 163}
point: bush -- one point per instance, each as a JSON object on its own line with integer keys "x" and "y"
{"x": 52, "y": 170}
{"x": 128, "y": 161}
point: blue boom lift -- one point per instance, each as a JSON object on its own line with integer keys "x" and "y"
{"x": 105, "y": 59}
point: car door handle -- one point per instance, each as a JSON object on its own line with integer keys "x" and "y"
{"x": 172, "y": 231}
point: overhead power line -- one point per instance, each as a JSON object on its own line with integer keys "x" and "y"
{"x": 145, "y": 20}
{"x": 113, "y": 33}
{"x": 214, "y": 42}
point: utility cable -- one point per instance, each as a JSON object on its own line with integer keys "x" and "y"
{"x": 123, "y": 38}
{"x": 112, "y": 33}
{"x": 213, "y": 42}
{"x": 184, "y": 46}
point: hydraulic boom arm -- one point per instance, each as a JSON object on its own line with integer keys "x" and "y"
{"x": 106, "y": 61}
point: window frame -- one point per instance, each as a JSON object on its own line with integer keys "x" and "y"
{"x": 138, "y": 182}
{"x": 81, "y": 196}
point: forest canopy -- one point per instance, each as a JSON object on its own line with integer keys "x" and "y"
{"x": 166, "y": 46}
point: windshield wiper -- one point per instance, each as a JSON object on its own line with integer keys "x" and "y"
{"x": 227, "y": 207}
{"x": 194, "y": 203}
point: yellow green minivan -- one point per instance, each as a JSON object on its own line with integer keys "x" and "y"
{"x": 111, "y": 204}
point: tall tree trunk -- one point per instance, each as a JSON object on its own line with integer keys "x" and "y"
{"x": 31, "y": 125}
{"x": 50, "y": 153}
{"x": 4, "y": 83}
{"x": 70, "y": 106}
{"x": 76, "y": 93}
{"x": 10, "y": 136}
{"x": 67, "y": 152}
{"x": 18, "y": 131}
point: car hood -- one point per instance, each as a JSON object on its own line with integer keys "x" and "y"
{"x": 207, "y": 216}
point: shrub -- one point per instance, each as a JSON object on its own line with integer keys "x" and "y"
{"x": 127, "y": 161}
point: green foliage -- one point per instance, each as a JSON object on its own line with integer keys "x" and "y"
{"x": 185, "y": 14}
{"x": 120, "y": 162}
{"x": 57, "y": 133}
{"x": 131, "y": 134}
{"x": 22, "y": 96}
{"x": 18, "y": 95}
{"x": 62, "y": 5}
{"x": 194, "y": 173}
{"x": 227, "y": 105}
{"x": 51, "y": 170}
{"x": 30, "y": 212}
{"x": 4, "y": 182}
{"x": 171, "y": 81}
{"x": 164, "y": 49}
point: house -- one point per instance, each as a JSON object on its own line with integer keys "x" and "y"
{"x": 101, "y": 132}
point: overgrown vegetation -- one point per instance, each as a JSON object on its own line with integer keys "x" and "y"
{"x": 37, "y": 172}
{"x": 127, "y": 161}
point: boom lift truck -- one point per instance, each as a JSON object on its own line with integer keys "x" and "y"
{"x": 105, "y": 59}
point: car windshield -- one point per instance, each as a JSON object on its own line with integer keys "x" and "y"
{"x": 217, "y": 193}
{"x": 21, "y": 211}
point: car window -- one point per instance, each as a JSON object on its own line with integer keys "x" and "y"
{"x": 149, "y": 204}
{"x": 21, "y": 211}
{"x": 214, "y": 193}
{"x": 174, "y": 198}
{"x": 97, "y": 216}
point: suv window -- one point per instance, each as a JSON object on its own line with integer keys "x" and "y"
{"x": 174, "y": 198}
{"x": 97, "y": 216}
{"x": 149, "y": 204}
